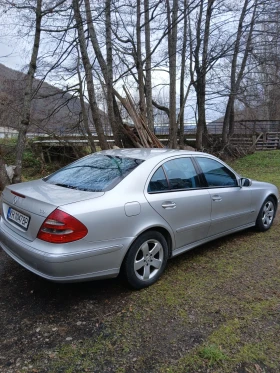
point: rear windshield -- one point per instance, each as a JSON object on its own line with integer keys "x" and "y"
{"x": 94, "y": 173}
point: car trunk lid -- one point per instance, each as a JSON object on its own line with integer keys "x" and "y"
{"x": 27, "y": 205}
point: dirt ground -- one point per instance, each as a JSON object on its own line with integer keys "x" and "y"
{"x": 216, "y": 309}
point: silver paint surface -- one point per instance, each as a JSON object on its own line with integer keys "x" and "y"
{"x": 115, "y": 218}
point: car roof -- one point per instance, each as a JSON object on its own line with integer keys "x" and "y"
{"x": 146, "y": 153}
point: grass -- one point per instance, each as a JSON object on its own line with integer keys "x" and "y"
{"x": 263, "y": 166}
{"x": 215, "y": 310}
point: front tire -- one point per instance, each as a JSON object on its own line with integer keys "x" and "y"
{"x": 146, "y": 260}
{"x": 266, "y": 215}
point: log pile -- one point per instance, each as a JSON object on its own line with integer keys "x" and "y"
{"x": 141, "y": 136}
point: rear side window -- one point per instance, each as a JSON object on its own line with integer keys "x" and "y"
{"x": 158, "y": 182}
{"x": 95, "y": 173}
{"x": 181, "y": 174}
{"x": 216, "y": 174}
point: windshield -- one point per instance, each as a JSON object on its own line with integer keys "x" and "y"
{"x": 94, "y": 173}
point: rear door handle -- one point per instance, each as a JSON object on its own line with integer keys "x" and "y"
{"x": 169, "y": 205}
{"x": 216, "y": 198}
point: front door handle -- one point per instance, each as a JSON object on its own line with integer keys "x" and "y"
{"x": 169, "y": 205}
{"x": 216, "y": 198}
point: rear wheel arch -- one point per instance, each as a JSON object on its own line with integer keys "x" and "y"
{"x": 152, "y": 236}
{"x": 166, "y": 234}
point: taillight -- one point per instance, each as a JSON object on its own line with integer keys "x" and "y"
{"x": 60, "y": 227}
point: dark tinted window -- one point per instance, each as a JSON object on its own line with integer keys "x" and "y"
{"x": 95, "y": 173}
{"x": 158, "y": 182}
{"x": 216, "y": 174}
{"x": 181, "y": 173}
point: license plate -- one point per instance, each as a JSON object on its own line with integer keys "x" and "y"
{"x": 18, "y": 218}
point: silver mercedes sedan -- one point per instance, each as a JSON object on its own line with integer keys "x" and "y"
{"x": 128, "y": 210}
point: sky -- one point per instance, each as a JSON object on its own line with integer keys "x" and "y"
{"x": 9, "y": 57}
{"x": 13, "y": 53}
{"x": 16, "y": 55}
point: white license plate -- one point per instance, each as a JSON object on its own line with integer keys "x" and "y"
{"x": 18, "y": 218}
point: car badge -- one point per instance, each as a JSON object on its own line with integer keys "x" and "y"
{"x": 15, "y": 200}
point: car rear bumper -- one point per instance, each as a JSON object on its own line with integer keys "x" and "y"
{"x": 96, "y": 263}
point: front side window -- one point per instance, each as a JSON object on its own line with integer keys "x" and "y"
{"x": 216, "y": 174}
{"x": 177, "y": 174}
{"x": 94, "y": 173}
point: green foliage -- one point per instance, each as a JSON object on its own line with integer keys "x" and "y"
{"x": 31, "y": 159}
{"x": 263, "y": 166}
{"x": 212, "y": 354}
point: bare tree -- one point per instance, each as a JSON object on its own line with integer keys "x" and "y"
{"x": 236, "y": 77}
{"x": 25, "y": 121}
{"x": 201, "y": 64}
{"x": 106, "y": 67}
{"x": 88, "y": 73}
{"x": 172, "y": 19}
{"x": 148, "y": 67}
{"x": 83, "y": 107}
{"x": 259, "y": 88}
{"x": 40, "y": 10}
{"x": 182, "y": 77}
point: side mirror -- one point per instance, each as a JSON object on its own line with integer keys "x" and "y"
{"x": 244, "y": 182}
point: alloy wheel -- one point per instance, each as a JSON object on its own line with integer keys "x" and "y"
{"x": 148, "y": 260}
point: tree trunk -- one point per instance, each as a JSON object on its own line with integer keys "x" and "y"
{"x": 201, "y": 71}
{"x": 25, "y": 119}
{"x": 106, "y": 68}
{"x": 109, "y": 81}
{"x": 233, "y": 87}
{"x": 201, "y": 119}
{"x": 182, "y": 78}
{"x": 89, "y": 79}
{"x": 172, "y": 50}
{"x": 148, "y": 85}
{"x": 4, "y": 180}
{"x": 139, "y": 65}
{"x": 84, "y": 111}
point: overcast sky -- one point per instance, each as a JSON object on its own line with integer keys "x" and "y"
{"x": 15, "y": 54}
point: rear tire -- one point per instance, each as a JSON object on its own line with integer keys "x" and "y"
{"x": 146, "y": 260}
{"x": 266, "y": 215}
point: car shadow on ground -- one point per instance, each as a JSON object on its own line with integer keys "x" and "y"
{"x": 32, "y": 294}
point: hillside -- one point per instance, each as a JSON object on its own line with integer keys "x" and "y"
{"x": 53, "y": 111}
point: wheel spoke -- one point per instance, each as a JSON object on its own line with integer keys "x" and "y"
{"x": 266, "y": 221}
{"x": 157, "y": 247}
{"x": 266, "y": 208}
{"x": 145, "y": 248}
{"x": 270, "y": 213}
{"x": 139, "y": 264}
{"x": 147, "y": 272}
{"x": 156, "y": 263}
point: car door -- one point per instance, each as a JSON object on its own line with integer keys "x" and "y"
{"x": 231, "y": 204}
{"x": 174, "y": 192}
